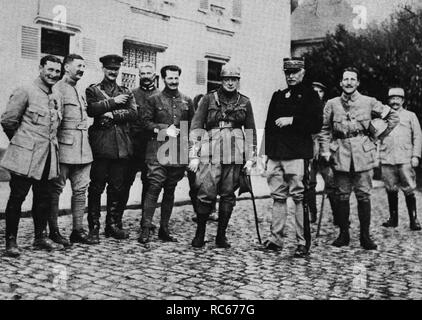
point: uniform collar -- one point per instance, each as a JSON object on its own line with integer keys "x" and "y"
{"x": 107, "y": 84}
{"x": 171, "y": 93}
{"x": 352, "y": 98}
{"x": 226, "y": 95}
{"x": 69, "y": 81}
{"x": 41, "y": 84}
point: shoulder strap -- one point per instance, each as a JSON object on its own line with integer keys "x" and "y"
{"x": 103, "y": 92}
{"x": 217, "y": 99}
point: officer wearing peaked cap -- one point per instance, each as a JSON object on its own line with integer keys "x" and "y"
{"x": 218, "y": 159}
{"x": 400, "y": 153}
{"x": 294, "y": 115}
{"x": 346, "y": 139}
{"x": 113, "y": 108}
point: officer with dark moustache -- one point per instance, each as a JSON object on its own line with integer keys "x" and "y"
{"x": 346, "y": 139}
{"x": 113, "y": 108}
{"x": 167, "y": 117}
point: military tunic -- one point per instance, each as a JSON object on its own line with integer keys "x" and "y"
{"x": 166, "y": 157}
{"x": 75, "y": 153}
{"x": 111, "y": 146}
{"x": 397, "y": 151}
{"x": 289, "y": 150}
{"x": 224, "y": 146}
{"x": 345, "y": 134}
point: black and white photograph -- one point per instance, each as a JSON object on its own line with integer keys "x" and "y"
{"x": 215, "y": 156}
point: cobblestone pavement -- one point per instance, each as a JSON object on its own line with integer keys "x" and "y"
{"x": 128, "y": 270}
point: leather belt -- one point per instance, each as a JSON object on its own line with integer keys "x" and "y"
{"x": 226, "y": 124}
{"x": 349, "y": 135}
{"x": 74, "y": 125}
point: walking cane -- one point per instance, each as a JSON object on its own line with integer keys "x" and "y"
{"x": 324, "y": 195}
{"x": 246, "y": 186}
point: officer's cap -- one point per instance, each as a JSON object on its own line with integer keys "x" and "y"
{"x": 319, "y": 85}
{"x": 111, "y": 61}
{"x": 396, "y": 92}
{"x": 293, "y": 64}
{"x": 230, "y": 71}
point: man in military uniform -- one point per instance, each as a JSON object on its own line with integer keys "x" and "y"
{"x": 293, "y": 116}
{"x": 346, "y": 138}
{"x": 166, "y": 115}
{"x": 324, "y": 169}
{"x": 113, "y": 108}
{"x": 139, "y": 135}
{"x": 74, "y": 152}
{"x": 220, "y": 155}
{"x": 30, "y": 122}
{"x": 400, "y": 152}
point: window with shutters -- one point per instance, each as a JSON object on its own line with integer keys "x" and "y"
{"x": 89, "y": 51}
{"x": 237, "y": 10}
{"x": 204, "y": 5}
{"x": 54, "y": 42}
{"x": 133, "y": 55}
{"x": 30, "y": 43}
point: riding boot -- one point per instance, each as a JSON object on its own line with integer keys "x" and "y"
{"x": 94, "y": 215}
{"x": 13, "y": 213}
{"x": 224, "y": 215}
{"x": 364, "y": 212}
{"x": 166, "y": 210}
{"x": 411, "y": 208}
{"x": 203, "y": 212}
{"x": 53, "y": 226}
{"x": 333, "y": 203}
{"x": 112, "y": 218}
{"x": 342, "y": 213}
{"x": 393, "y": 205}
{"x": 41, "y": 241}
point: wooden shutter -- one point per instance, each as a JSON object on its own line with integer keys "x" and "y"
{"x": 30, "y": 43}
{"x": 201, "y": 78}
{"x": 204, "y": 4}
{"x": 237, "y": 9}
{"x": 89, "y": 51}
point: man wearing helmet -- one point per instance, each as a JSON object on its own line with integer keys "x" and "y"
{"x": 346, "y": 137}
{"x": 226, "y": 144}
{"x": 399, "y": 154}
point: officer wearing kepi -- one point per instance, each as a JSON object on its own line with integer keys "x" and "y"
{"x": 347, "y": 139}
{"x": 219, "y": 152}
{"x": 400, "y": 153}
{"x": 113, "y": 108}
{"x": 294, "y": 115}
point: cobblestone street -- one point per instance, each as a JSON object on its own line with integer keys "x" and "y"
{"x": 128, "y": 270}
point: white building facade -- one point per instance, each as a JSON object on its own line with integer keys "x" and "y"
{"x": 198, "y": 35}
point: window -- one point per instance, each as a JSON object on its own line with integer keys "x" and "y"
{"x": 54, "y": 42}
{"x": 133, "y": 55}
{"x": 214, "y": 71}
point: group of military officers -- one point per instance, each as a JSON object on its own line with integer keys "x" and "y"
{"x": 163, "y": 134}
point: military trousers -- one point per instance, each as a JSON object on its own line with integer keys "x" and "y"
{"x": 110, "y": 172}
{"x": 19, "y": 189}
{"x": 286, "y": 179}
{"x": 401, "y": 176}
{"x": 78, "y": 174}
{"x": 213, "y": 179}
{"x": 161, "y": 177}
{"x": 359, "y": 182}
